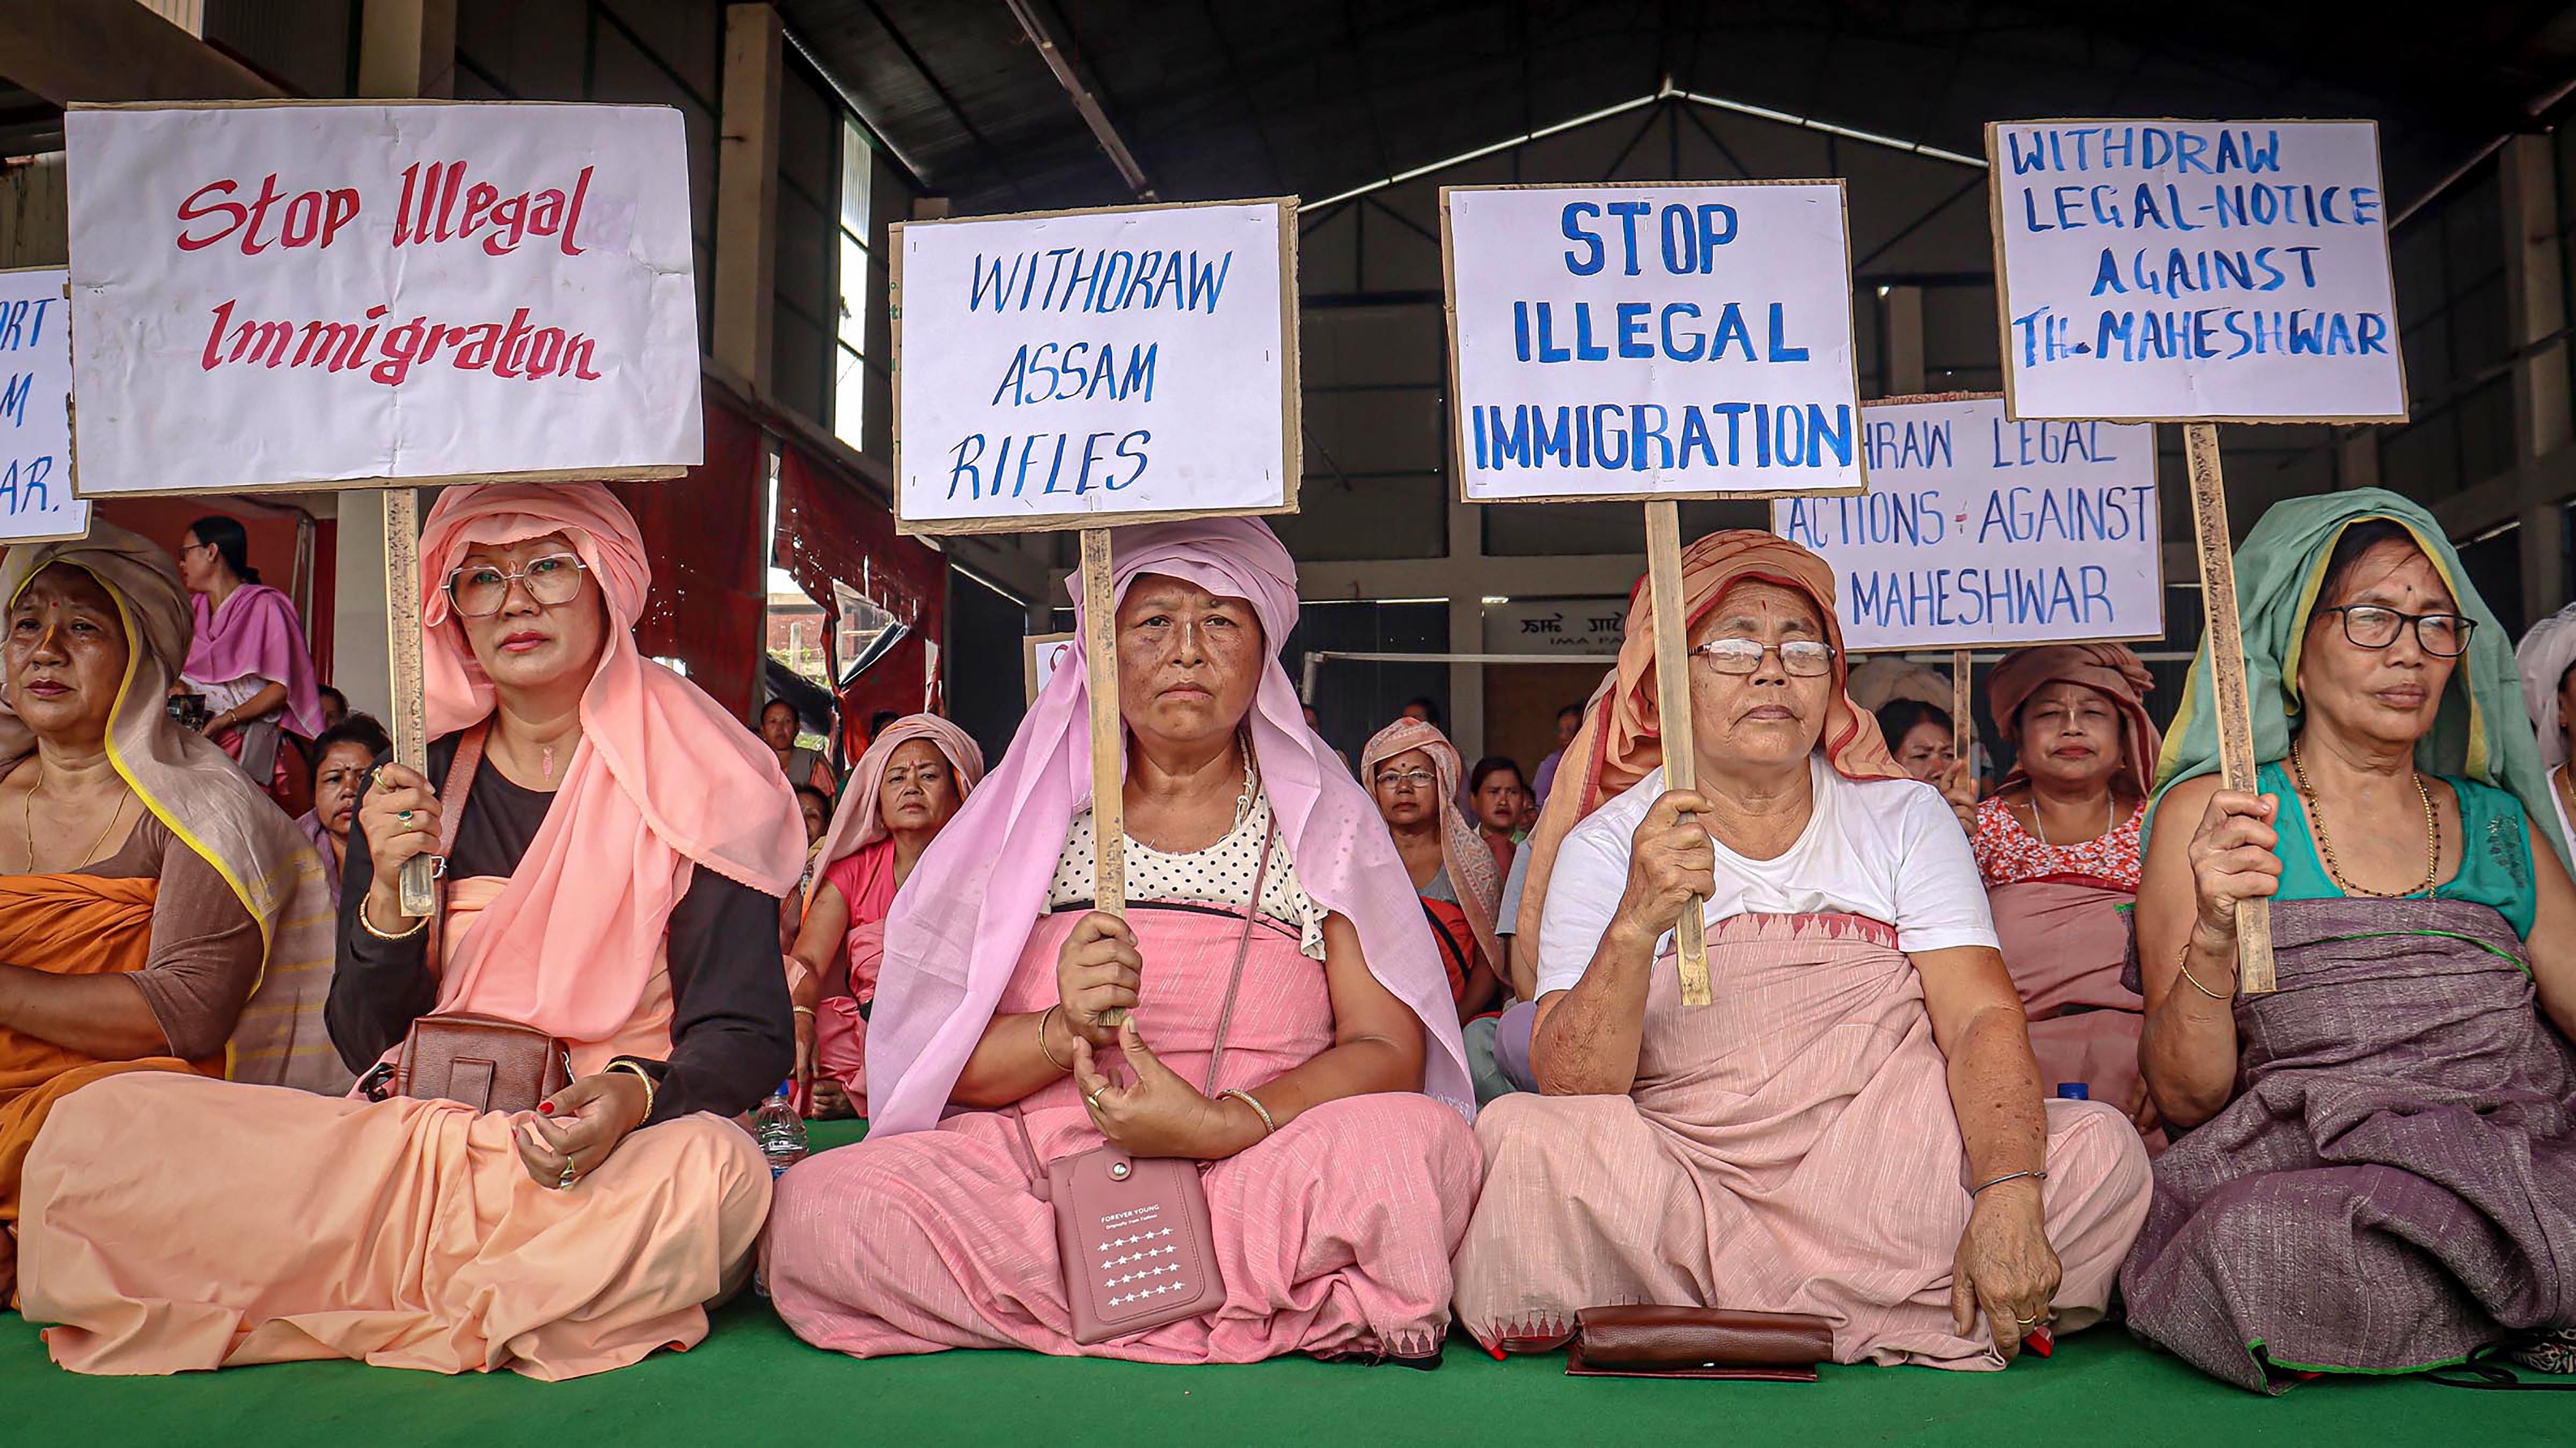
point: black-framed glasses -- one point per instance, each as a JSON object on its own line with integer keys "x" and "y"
{"x": 2370, "y": 626}
{"x": 1799, "y": 658}
{"x": 478, "y": 590}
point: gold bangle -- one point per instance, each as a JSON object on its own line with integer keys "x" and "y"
{"x": 2184, "y": 964}
{"x": 651, "y": 1089}
{"x": 1042, "y": 1040}
{"x": 1268, "y": 1126}
{"x": 417, "y": 925}
{"x": 802, "y": 1010}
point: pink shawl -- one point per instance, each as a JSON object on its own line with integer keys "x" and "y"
{"x": 960, "y": 923}
{"x": 664, "y": 780}
{"x": 856, "y": 823}
{"x": 1463, "y": 851}
{"x": 257, "y": 632}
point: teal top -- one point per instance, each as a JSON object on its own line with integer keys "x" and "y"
{"x": 2495, "y": 867}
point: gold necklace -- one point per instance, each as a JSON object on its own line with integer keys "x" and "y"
{"x": 27, "y": 820}
{"x": 2325, "y": 845}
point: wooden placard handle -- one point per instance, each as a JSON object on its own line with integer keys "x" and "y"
{"x": 2227, "y": 672}
{"x": 1108, "y": 740}
{"x": 1673, "y": 714}
{"x": 1963, "y": 702}
{"x": 403, "y": 649}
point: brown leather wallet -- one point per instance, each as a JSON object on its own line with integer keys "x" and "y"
{"x": 488, "y": 1063}
{"x": 1646, "y": 1341}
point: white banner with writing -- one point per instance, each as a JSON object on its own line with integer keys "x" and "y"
{"x": 1077, "y": 369}
{"x": 36, "y": 502}
{"x": 310, "y": 295}
{"x": 1979, "y": 532}
{"x": 1666, "y": 341}
{"x": 2195, "y": 271}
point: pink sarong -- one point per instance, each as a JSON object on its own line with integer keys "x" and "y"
{"x": 2065, "y": 941}
{"x": 220, "y": 1225}
{"x": 840, "y": 1032}
{"x": 1332, "y": 1236}
{"x": 1789, "y": 1149}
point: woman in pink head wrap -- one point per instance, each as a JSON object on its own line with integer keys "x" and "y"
{"x": 905, "y": 790}
{"x": 1412, "y": 770}
{"x": 1038, "y": 1027}
{"x": 617, "y": 859}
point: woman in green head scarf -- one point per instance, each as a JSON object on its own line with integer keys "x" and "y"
{"x": 2342, "y": 1199}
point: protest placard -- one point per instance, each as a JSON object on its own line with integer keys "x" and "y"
{"x": 1040, "y": 655}
{"x": 36, "y": 501}
{"x": 1982, "y": 532}
{"x": 322, "y": 294}
{"x": 2194, "y": 271}
{"x": 1082, "y": 369}
{"x": 2198, "y": 272}
{"x": 309, "y": 295}
{"x": 1652, "y": 341}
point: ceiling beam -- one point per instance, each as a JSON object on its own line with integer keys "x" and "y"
{"x": 116, "y": 50}
{"x": 1085, "y": 104}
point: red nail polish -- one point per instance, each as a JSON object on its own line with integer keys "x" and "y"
{"x": 547, "y": 1107}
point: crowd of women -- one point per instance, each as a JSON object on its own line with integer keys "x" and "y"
{"x": 1434, "y": 1061}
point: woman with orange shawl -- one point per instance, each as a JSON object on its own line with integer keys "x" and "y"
{"x": 2057, "y": 845}
{"x": 613, "y": 881}
{"x": 917, "y": 771}
{"x": 1412, "y": 770}
{"x": 1853, "y": 1128}
{"x": 156, "y": 911}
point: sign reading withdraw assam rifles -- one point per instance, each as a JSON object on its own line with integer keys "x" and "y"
{"x": 1981, "y": 532}
{"x": 302, "y": 295}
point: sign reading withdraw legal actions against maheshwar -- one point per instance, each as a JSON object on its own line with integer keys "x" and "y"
{"x": 2195, "y": 271}
{"x": 303, "y": 295}
{"x": 1651, "y": 341}
{"x": 1980, "y": 532}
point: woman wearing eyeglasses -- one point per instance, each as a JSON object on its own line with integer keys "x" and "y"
{"x": 1852, "y": 1127}
{"x": 1412, "y": 770}
{"x": 619, "y": 847}
{"x": 2380, "y": 1156}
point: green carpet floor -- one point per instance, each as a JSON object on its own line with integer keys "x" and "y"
{"x": 751, "y": 1382}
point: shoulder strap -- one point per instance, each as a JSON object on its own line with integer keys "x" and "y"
{"x": 1242, "y": 947}
{"x": 451, "y": 813}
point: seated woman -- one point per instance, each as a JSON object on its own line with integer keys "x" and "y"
{"x": 342, "y": 756}
{"x": 1009, "y": 1006}
{"x": 905, "y": 790}
{"x": 1853, "y": 1129}
{"x": 128, "y": 945}
{"x": 2546, "y": 658}
{"x": 1412, "y": 770}
{"x": 2057, "y": 845}
{"x": 1920, "y": 737}
{"x": 617, "y": 853}
{"x": 805, "y": 768}
{"x": 2380, "y": 1167}
{"x": 1497, "y": 799}
{"x": 249, "y": 661}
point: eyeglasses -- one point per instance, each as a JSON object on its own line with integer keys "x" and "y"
{"x": 2443, "y": 635}
{"x": 1799, "y": 658}
{"x": 479, "y": 590}
{"x": 1418, "y": 778}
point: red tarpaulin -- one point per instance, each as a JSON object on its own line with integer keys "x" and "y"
{"x": 829, "y": 531}
{"x": 702, "y": 533}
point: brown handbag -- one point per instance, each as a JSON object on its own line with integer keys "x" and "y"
{"x": 1132, "y": 1233}
{"x": 1647, "y": 1341}
{"x": 483, "y": 1061}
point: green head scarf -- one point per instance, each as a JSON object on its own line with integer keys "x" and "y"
{"x": 2479, "y": 731}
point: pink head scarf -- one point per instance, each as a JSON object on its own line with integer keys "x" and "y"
{"x": 958, "y": 928}
{"x": 856, "y": 822}
{"x": 1463, "y": 852}
{"x": 664, "y": 781}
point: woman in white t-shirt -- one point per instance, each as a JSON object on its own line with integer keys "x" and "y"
{"x": 1850, "y": 1125}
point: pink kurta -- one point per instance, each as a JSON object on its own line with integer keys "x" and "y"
{"x": 1788, "y": 1149}
{"x": 220, "y": 1225}
{"x": 1332, "y": 1236}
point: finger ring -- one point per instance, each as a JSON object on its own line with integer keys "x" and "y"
{"x": 565, "y": 1180}
{"x": 404, "y": 816}
{"x": 2026, "y": 1322}
{"x": 1093, "y": 1099}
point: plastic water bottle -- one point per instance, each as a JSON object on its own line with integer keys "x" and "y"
{"x": 778, "y": 1131}
{"x": 2074, "y": 1091}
